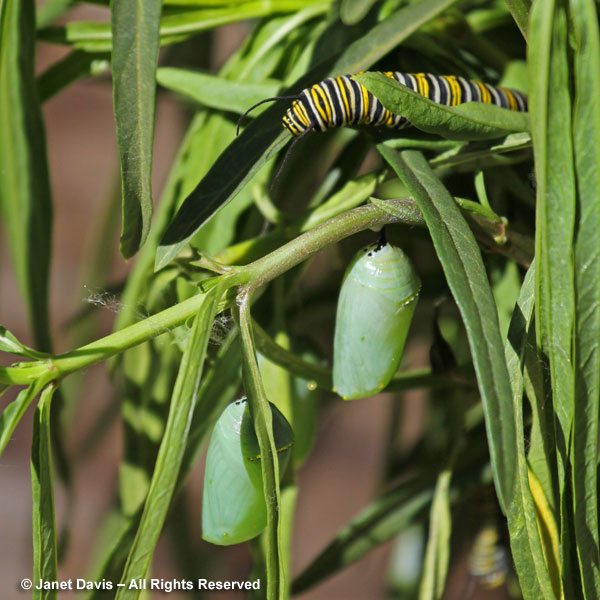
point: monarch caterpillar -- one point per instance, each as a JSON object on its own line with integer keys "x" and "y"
{"x": 375, "y": 308}
{"x": 233, "y": 503}
{"x": 489, "y": 560}
{"x": 340, "y": 101}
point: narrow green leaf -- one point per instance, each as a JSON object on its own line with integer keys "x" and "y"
{"x": 215, "y": 135}
{"x": 377, "y": 523}
{"x": 134, "y": 28}
{"x": 172, "y": 447}
{"x": 534, "y": 573}
{"x": 465, "y": 273}
{"x": 388, "y": 34}
{"x": 470, "y": 121}
{"x": 149, "y": 370}
{"x": 44, "y": 522}
{"x": 520, "y": 12}
{"x": 174, "y": 27}
{"x": 548, "y": 531}
{"x": 289, "y": 495}
{"x": 263, "y": 138}
{"x": 195, "y": 3}
{"x": 263, "y": 425}
{"x": 550, "y": 110}
{"x": 137, "y": 283}
{"x": 51, "y": 10}
{"x": 25, "y": 199}
{"x": 469, "y": 154}
{"x": 541, "y": 454}
{"x": 353, "y": 11}
{"x": 9, "y": 343}
{"x": 551, "y": 129}
{"x": 72, "y": 67}
{"x": 267, "y": 346}
{"x": 437, "y": 554}
{"x": 214, "y": 91}
{"x": 353, "y": 193}
{"x": 258, "y": 58}
{"x": 218, "y": 389}
{"x": 242, "y": 159}
{"x": 11, "y": 415}
{"x": 586, "y": 137}
{"x": 117, "y": 535}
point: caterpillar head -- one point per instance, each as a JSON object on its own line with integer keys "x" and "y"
{"x": 292, "y": 120}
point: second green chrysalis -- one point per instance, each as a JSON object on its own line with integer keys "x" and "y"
{"x": 233, "y": 503}
{"x": 375, "y": 308}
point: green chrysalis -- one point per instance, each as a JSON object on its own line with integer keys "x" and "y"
{"x": 233, "y": 503}
{"x": 376, "y": 304}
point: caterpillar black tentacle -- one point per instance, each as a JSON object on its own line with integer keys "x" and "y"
{"x": 274, "y": 99}
{"x": 287, "y": 155}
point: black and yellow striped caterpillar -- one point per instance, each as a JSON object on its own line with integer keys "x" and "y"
{"x": 340, "y": 101}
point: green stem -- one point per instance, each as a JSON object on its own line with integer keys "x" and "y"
{"x": 251, "y": 277}
{"x": 263, "y": 425}
{"x": 283, "y": 259}
{"x": 105, "y": 347}
{"x": 268, "y": 347}
{"x": 322, "y": 378}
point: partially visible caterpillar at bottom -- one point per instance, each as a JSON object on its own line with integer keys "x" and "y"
{"x": 341, "y": 101}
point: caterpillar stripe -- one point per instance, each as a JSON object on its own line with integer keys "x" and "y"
{"x": 341, "y": 101}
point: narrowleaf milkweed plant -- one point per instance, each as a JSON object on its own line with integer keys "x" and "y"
{"x": 493, "y": 194}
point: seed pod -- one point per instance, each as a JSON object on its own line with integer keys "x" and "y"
{"x": 233, "y": 502}
{"x": 376, "y": 304}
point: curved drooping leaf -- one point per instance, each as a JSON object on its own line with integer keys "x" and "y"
{"x": 551, "y": 128}
{"x": 470, "y": 121}
{"x": 44, "y": 521}
{"x": 353, "y": 11}
{"x": 65, "y": 71}
{"x": 25, "y": 199}
{"x": 461, "y": 260}
{"x": 174, "y": 27}
{"x": 437, "y": 553}
{"x": 12, "y": 414}
{"x": 520, "y": 12}
{"x": 535, "y": 575}
{"x": 172, "y": 448}
{"x": 214, "y": 91}
{"x": 134, "y": 26}
{"x": 9, "y": 343}
{"x": 586, "y": 137}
